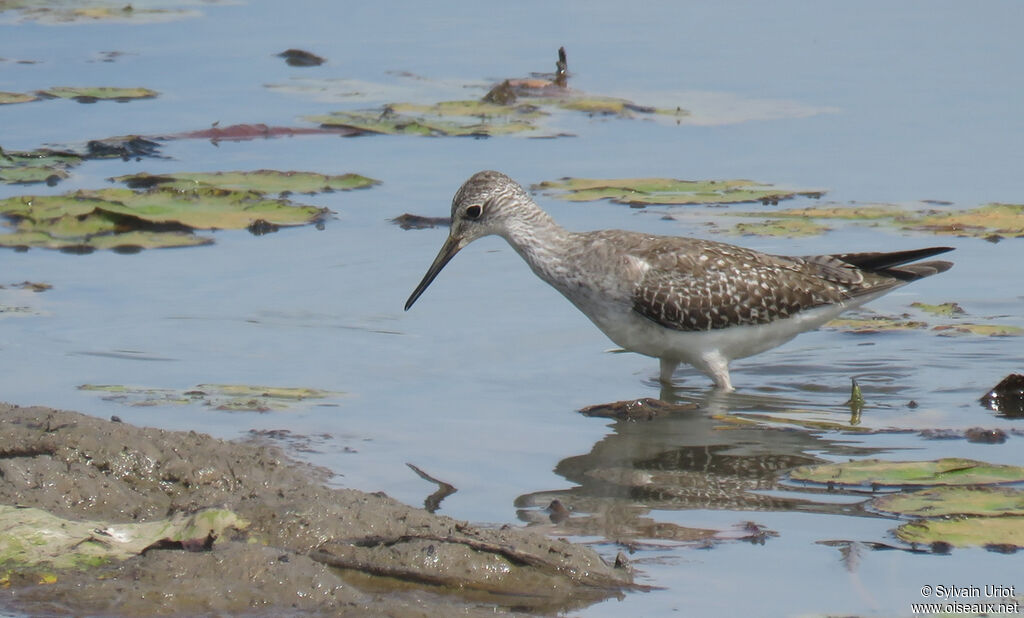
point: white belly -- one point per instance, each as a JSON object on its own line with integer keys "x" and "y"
{"x": 638, "y": 334}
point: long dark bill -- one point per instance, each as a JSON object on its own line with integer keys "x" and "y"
{"x": 447, "y": 252}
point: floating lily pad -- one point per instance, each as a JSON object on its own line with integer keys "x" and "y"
{"x": 999, "y": 219}
{"x": 875, "y": 324}
{"x": 51, "y": 13}
{"x": 447, "y": 124}
{"x": 948, "y": 471}
{"x": 786, "y": 228}
{"x": 228, "y": 397}
{"x": 159, "y": 217}
{"x": 91, "y": 95}
{"x": 242, "y": 132}
{"x": 7, "y": 98}
{"x": 35, "y": 166}
{"x": 262, "y": 181}
{"x": 944, "y": 309}
{"x": 982, "y": 330}
{"x": 31, "y": 537}
{"x": 982, "y": 222}
{"x": 966, "y": 531}
{"x": 648, "y": 191}
{"x": 873, "y": 212}
{"x": 951, "y": 500}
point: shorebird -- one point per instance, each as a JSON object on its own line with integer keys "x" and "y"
{"x": 681, "y": 300}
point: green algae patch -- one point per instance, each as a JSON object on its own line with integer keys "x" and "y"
{"x": 225, "y": 397}
{"x": 996, "y": 532}
{"x": 94, "y": 94}
{"x": 947, "y": 471}
{"x": 784, "y": 228}
{"x": 33, "y": 538}
{"x": 9, "y": 98}
{"x": 261, "y": 181}
{"x": 667, "y": 191}
{"x": 953, "y": 500}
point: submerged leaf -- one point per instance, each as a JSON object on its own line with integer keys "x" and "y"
{"x": 948, "y": 471}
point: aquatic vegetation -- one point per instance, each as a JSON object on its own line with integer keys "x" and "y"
{"x": 261, "y": 181}
{"x": 225, "y": 397}
{"x": 166, "y": 210}
{"x": 651, "y": 191}
{"x": 94, "y": 94}
{"x": 8, "y": 98}
{"x": 877, "y": 472}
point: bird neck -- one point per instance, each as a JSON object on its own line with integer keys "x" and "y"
{"x": 540, "y": 241}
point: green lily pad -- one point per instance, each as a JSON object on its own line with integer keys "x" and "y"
{"x": 102, "y": 93}
{"x": 649, "y": 191}
{"x": 948, "y": 471}
{"x": 875, "y": 324}
{"x": 31, "y": 537}
{"x": 7, "y": 98}
{"x": 952, "y": 500}
{"x": 844, "y": 212}
{"x": 965, "y": 531}
{"x": 48, "y": 12}
{"x": 981, "y": 222}
{"x": 944, "y": 309}
{"x": 159, "y": 217}
{"x": 785, "y": 228}
{"x": 981, "y": 330}
{"x": 227, "y": 397}
{"x": 1000, "y": 219}
{"x": 128, "y": 242}
{"x": 262, "y": 181}
{"x": 27, "y": 167}
{"x": 393, "y": 123}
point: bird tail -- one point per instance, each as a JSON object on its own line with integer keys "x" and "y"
{"x": 896, "y": 264}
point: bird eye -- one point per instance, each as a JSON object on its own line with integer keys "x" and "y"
{"x": 474, "y": 211}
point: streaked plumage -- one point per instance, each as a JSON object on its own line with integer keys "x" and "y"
{"x": 678, "y": 299}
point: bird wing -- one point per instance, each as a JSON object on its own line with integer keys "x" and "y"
{"x": 702, "y": 285}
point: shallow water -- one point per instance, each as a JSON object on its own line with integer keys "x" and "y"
{"x": 479, "y": 384}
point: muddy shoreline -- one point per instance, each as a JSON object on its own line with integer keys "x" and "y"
{"x": 303, "y": 547}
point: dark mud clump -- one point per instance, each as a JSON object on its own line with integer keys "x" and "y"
{"x": 1007, "y": 397}
{"x": 307, "y": 548}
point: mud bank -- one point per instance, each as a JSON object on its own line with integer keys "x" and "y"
{"x": 302, "y": 547}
